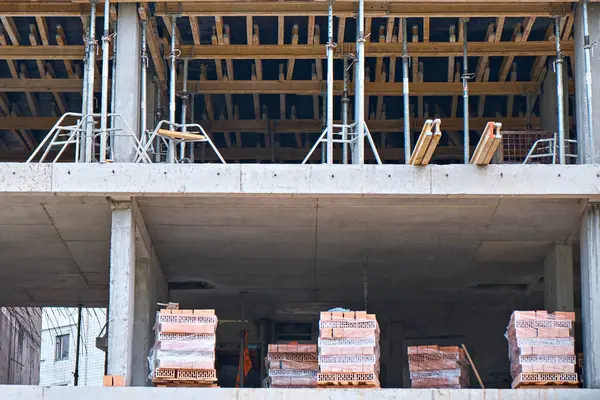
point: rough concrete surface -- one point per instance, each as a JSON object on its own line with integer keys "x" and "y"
{"x": 90, "y": 393}
{"x": 203, "y": 179}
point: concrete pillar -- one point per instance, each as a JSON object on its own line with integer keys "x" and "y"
{"x": 558, "y": 278}
{"x": 592, "y": 156}
{"x": 122, "y": 289}
{"x": 397, "y": 363}
{"x": 150, "y": 289}
{"x": 128, "y": 79}
{"x": 549, "y": 101}
{"x": 590, "y": 294}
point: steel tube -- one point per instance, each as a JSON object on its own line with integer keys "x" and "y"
{"x": 559, "y": 94}
{"x": 184, "y": 104}
{"x": 144, "y": 86}
{"x": 590, "y": 151}
{"x": 407, "y": 131}
{"x": 360, "y": 84}
{"x": 80, "y": 156}
{"x": 77, "y": 345}
{"x": 158, "y": 117}
{"x": 192, "y": 118}
{"x": 89, "y": 135}
{"x": 113, "y": 93}
{"x": 345, "y": 102}
{"x": 465, "y": 82}
{"x": 104, "y": 104}
{"x": 330, "y": 86}
{"x": 171, "y": 150}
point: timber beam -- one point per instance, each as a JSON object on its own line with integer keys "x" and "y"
{"x": 293, "y": 126}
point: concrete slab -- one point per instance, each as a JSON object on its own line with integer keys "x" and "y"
{"x": 101, "y": 393}
{"x": 204, "y": 179}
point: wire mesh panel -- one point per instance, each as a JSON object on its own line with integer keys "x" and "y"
{"x": 517, "y": 144}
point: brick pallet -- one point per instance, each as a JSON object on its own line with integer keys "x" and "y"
{"x": 292, "y": 366}
{"x": 184, "y": 351}
{"x": 348, "y": 349}
{"x": 433, "y": 367}
{"x": 542, "y": 349}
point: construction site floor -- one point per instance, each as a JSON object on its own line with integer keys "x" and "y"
{"x": 112, "y": 393}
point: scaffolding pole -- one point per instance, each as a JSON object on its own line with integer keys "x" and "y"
{"x": 84, "y": 95}
{"x": 104, "y": 104}
{"x": 113, "y": 93}
{"x": 144, "y": 85}
{"x": 184, "y": 105}
{"x": 405, "y": 89}
{"x": 330, "y": 45}
{"x": 173, "y": 57}
{"x": 590, "y": 151}
{"x": 465, "y": 82}
{"x": 158, "y": 112}
{"x": 558, "y": 65}
{"x": 89, "y": 135}
{"x": 345, "y": 102}
{"x": 77, "y": 344}
{"x": 360, "y": 84}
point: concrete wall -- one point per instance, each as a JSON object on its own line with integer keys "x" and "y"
{"x": 20, "y": 346}
{"x": 63, "y": 321}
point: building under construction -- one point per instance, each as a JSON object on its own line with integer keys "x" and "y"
{"x": 431, "y": 162}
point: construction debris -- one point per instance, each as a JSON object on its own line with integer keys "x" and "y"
{"x": 438, "y": 367}
{"x": 184, "y": 349}
{"x": 292, "y": 366}
{"x": 348, "y": 349}
{"x": 542, "y": 348}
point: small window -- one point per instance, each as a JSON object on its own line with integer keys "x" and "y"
{"x": 62, "y": 348}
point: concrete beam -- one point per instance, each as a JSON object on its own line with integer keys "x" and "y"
{"x": 545, "y": 181}
{"x": 108, "y": 393}
{"x": 590, "y": 294}
{"x": 558, "y": 278}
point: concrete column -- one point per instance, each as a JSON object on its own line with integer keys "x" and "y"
{"x": 590, "y": 294}
{"x": 122, "y": 289}
{"x": 549, "y": 101}
{"x": 558, "y": 278}
{"x": 150, "y": 289}
{"x": 397, "y": 363}
{"x": 128, "y": 79}
{"x": 580, "y": 95}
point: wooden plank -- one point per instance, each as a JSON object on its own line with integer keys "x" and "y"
{"x": 194, "y": 25}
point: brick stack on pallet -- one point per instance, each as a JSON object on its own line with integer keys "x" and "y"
{"x": 184, "y": 350}
{"x": 438, "y": 367}
{"x": 292, "y": 366}
{"x": 542, "y": 348}
{"x": 348, "y": 349}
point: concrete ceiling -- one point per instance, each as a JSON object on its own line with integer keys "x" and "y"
{"x": 293, "y": 255}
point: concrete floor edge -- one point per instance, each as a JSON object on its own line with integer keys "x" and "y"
{"x": 102, "y": 393}
{"x": 204, "y": 179}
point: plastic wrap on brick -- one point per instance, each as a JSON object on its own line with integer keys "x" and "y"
{"x": 541, "y": 348}
{"x": 184, "y": 348}
{"x": 435, "y": 366}
{"x": 348, "y": 349}
{"x": 292, "y": 366}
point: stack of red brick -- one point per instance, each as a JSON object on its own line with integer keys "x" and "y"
{"x": 348, "y": 349}
{"x": 438, "y": 367}
{"x": 292, "y": 366}
{"x": 542, "y": 348}
{"x": 184, "y": 350}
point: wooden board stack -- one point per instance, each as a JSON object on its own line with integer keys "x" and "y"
{"x": 292, "y": 366}
{"x": 438, "y": 367}
{"x": 184, "y": 349}
{"x": 542, "y": 349}
{"x": 348, "y": 349}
